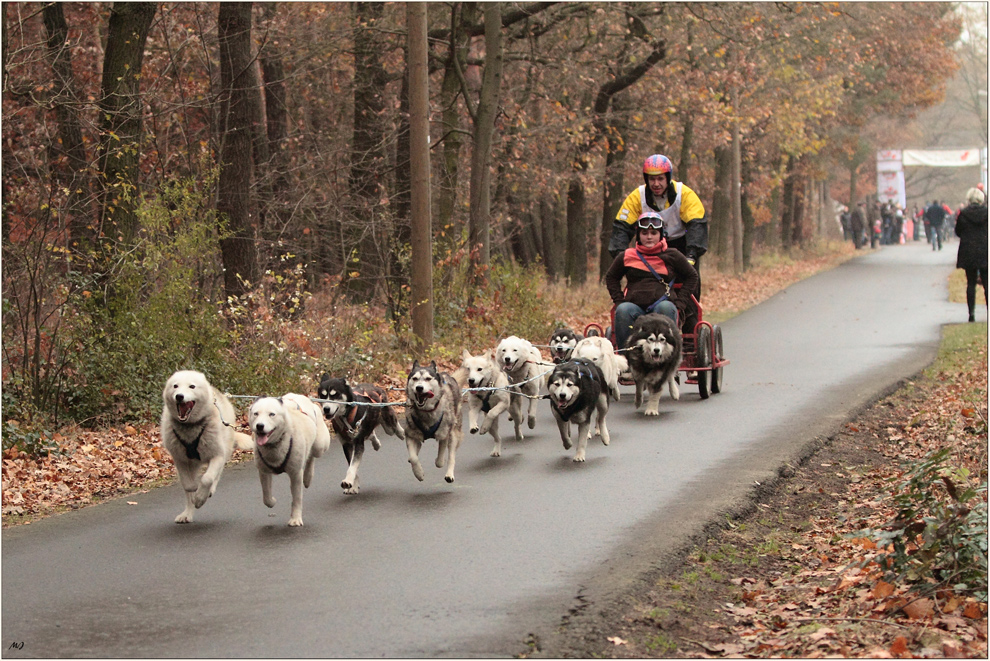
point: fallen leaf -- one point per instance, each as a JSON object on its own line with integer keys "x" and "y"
{"x": 973, "y": 611}
{"x": 918, "y": 609}
{"x": 615, "y": 640}
{"x": 882, "y": 590}
{"x": 131, "y": 502}
{"x": 130, "y": 430}
{"x": 899, "y": 648}
{"x": 952, "y": 649}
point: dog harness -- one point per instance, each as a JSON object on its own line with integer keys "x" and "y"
{"x": 192, "y": 449}
{"x": 431, "y": 432}
{"x": 486, "y": 404}
{"x": 281, "y": 468}
{"x": 566, "y": 414}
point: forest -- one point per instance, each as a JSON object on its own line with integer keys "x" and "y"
{"x": 185, "y": 182}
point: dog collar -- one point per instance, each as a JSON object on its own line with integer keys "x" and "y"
{"x": 281, "y": 467}
{"x": 192, "y": 449}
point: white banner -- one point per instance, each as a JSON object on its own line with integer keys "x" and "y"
{"x": 891, "y": 188}
{"x": 889, "y": 160}
{"x": 942, "y": 158}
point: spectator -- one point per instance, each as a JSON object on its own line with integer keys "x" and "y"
{"x": 971, "y": 228}
{"x": 857, "y": 223}
{"x": 935, "y": 217}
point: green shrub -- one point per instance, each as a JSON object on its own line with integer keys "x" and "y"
{"x": 940, "y": 530}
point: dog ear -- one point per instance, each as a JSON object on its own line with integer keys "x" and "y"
{"x": 415, "y": 365}
{"x": 466, "y": 355}
{"x": 433, "y": 365}
{"x": 325, "y": 377}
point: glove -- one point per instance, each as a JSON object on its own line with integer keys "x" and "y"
{"x": 691, "y": 261}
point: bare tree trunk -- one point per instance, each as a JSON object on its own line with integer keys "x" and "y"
{"x": 614, "y": 187}
{"x": 72, "y": 175}
{"x": 369, "y": 165}
{"x": 479, "y": 224}
{"x": 554, "y": 237}
{"x": 238, "y": 250}
{"x": 577, "y": 233}
{"x": 120, "y": 116}
{"x": 737, "y": 230}
{"x": 787, "y": 204}
{"x": 721, "y": 219}
{"x": 419, "y": 161}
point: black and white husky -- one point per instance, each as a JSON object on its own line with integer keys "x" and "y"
{"x": 433, "y": 410}
{"x": 577, "y": 391}
{"x": 354, "y": 424}
{"x": 654, "y": 355}
{"x": 562, "y": 344}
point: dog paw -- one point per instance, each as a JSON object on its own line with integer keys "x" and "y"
{"x": 567, "y": 444}
{"x": 497, "y": 452}
{"x": 531, "y": 421}
{"x": 185, "y": 517}
{"x": 417, "y": 469}
{"x": 579, "y": 457}
{"x": 295, "y": 521}
{"x": 376, "y": 444}
{"x": 449, "y": 478}
{"x": 346, "y": 484}
{"x": 474, "y": 430}
{"x": 675, "y": 392}
{"x": 352, "y": 491}
{"x": 201, "y": 497}
{"x": 270, "y": 502}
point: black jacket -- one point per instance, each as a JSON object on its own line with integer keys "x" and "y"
{"x": 971, "y": 228}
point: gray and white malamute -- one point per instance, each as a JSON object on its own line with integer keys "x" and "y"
{"x": 354, "y": 424}
{"x": 289, "y": 435}
{"x": 197, "y": 431}
{"x": 577, "y": 391}
{"x": 523, "y": 364}
{"x": 562, "y": 343}
{"x": 487, "y": 405}
{"x": 654, "y": 356}
{"x": 433, "y": 410}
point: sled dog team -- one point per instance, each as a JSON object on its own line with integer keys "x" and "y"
{"x": 290, "y": 432}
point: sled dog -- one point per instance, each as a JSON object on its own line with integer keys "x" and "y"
{"x": 433, "y": 410}
{"x": 599, "y": 351}
{"x": 577, "y": 390}
{"x": 482, "y": 372}
{"x": 562, "y": 343}
{"x": 654, "y": 357}
{"x": 196, "y": 430}
{"x": 289, "y": 435}
{"x": 522, "y": 363}
{"x": 353, "y": 423}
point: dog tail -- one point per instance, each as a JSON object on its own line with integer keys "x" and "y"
{"x": 621, "y": 363}
{"x": 461, "y": 376}
{"x": 243, "y": 441}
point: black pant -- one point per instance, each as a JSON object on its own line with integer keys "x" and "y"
{"x": 972, "y": 275}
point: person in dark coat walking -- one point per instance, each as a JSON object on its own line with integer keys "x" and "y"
{"x": 971, "y": 228}
{"x": 935, "y": 215}
{"x": 857, "y": 223}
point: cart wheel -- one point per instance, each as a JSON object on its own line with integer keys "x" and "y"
{"x": 703, "y": 358}
{"x": 718, "y": 355}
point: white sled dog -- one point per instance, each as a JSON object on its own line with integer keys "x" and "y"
{"x": 289, "y": 435}
{"x": 522, "y": 363}
{"x": 196, "y": 430}
{"x": 482, "y": 372}
{"x": 599, "y": 351}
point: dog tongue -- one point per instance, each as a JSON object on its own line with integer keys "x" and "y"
{"x": 185, "y": 408}
{"x": 262, "y": 439}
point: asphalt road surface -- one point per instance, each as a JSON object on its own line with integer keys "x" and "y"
{"x": 516, "y": 544}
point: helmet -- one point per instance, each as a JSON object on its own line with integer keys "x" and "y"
{"x": 650, "y": 220}
{"x": 658, "y": 164}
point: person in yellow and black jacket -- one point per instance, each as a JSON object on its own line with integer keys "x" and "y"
{"x": 679, "y": 206}
{"x": 651, "y": 268}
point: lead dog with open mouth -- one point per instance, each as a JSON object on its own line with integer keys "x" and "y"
{"x": 433, "y": 410}
{"x": 577, "y": 390}
{"x": 289, "y": 435}
{"x": 196, "y": 430}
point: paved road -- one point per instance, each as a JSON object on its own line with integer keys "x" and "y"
{"x": 409, "y": 569}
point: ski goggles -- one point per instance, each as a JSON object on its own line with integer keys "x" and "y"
{"x": 650, "y": 222}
